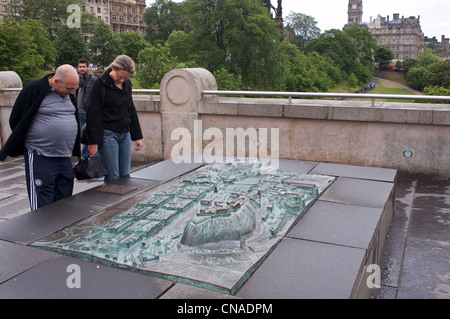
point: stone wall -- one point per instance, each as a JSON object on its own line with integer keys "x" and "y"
{"x": 345, "y": 132}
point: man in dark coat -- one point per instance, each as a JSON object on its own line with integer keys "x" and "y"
{"x": 82, "y": 95}
{"x": 45, "y": 129}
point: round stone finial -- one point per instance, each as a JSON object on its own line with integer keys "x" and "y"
{"x": 10, "y": 79}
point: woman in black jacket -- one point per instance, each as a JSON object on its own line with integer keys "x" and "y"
{"x": 111, "y": 119}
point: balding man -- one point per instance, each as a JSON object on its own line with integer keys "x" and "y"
{"x": 45, "y": 129}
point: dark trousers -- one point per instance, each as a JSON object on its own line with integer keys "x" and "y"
{"x": 49, "y": 179}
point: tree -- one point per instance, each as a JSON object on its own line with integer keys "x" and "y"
{"x": 226, "y": 80}
{"x": 439, "y": 91}
{"x": 162, "y": 18}
{"x": 70, "y": 44}
{"x": 238, "y": 35}
{"x": 300, "y": 29}
{"x": 131, "y": 43}
{"x": 155, "y": 62}
{"x": 409, "y": 63}
{"x": 18, "y": 50}
{"x": 427, "y": 57}
{"x": 341, "y": 48}
{"x": 437, "y": 74}
{"x": 414, "y": 78}
{"x": 52, "y": 14}
{"x": 104, "y": 47}
{"x": 308, "y": 73}
{"x": 42, "y": 40}
{"x": 383, "y": 55}
{"x": 365, "y": 42}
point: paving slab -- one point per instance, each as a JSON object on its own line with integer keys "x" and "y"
{"x": 339, "y": 224}
{"x": 359, "y": 192}
{"x": 95, "y": 196}
{"x": 426, "y": 271}
{"x": 431, "y": 212}
{"x": 373, "y": 173}
{"x": 296, "y": 166}
{"x": 302, "y": 269}
{"x": 165, "y": 171}
{"x": 18, "y": 258}
{"x": 45, "y": 221}
{"x": 49, "y": 280}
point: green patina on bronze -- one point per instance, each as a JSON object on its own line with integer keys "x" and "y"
{"x": 210, "y": 228}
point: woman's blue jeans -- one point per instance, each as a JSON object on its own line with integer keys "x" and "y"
{"x": 115, "y": 153}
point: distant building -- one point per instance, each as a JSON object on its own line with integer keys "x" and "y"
{"x": 6, "y": 9}
{"x": 124, "y": 15}
{"x": 355, "y": 12}
{"x": 100, "y": 9}
{"x": 443, "y": 45}
{"x": 403, "y": 36}
{"x": 120, "y": 15}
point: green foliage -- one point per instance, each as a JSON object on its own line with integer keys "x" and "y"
{"x": 226, "y": 80}
{"x": 42, "y": 40}
{"x": 366, "y": 44}
{"x": 352, "y": 80}
{"x": 415, "y": 78}
{"x": 409, "y": 63}
{"x": 338, "y": 46}
{"x": 70, "y": 45}
{"x": 20, "y": 50}
{"x": 52, "y": 14}
{"x": 438, "y": 91}
{"x": 438, "y": 74}
{"x": 236, "y": 40}
{"x": 308, "y": 72}
{"x": 301, "y": 29}
{"x": 428, "y": 70}
{"x": 131, "y": 43}
{"x": 426, "y": 57}
{"x": 237, "y": 35}
{"x": 104, "y": 46}
{"x": 383, "y": 55}
{"x": 155, "y": 62}
{"x": 162, "y": 18}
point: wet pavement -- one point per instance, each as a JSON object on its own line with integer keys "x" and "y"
{"x": 416, "y": 256}
{"x": 415, "y": 262}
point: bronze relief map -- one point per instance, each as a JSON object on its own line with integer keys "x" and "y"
{"x": 210, "y": 228}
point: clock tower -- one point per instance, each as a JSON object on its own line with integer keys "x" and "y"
{"x": 355, "y": 12}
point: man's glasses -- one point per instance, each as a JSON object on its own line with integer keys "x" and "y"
{"x": 68, "y": 89}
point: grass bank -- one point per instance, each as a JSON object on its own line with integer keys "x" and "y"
{"x": 386, "y": 87}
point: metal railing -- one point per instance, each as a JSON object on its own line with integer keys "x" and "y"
{"x": 291, "y": 95}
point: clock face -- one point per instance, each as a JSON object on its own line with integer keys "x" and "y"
{"x": 354, "y": 6}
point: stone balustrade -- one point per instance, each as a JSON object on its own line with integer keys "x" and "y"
{"x": 409, "y": 137}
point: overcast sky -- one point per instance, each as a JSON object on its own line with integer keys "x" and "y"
{"x": 332, "y": 14}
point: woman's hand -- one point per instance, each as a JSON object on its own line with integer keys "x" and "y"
{"x": 138, "y": 145}
{"x": 92, "y": 149}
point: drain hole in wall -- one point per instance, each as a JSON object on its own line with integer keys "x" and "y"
{"x": 408, "y": 153}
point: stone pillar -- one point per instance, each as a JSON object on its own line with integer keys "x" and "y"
{"x": 181, "y": 95}
{"x": 8, "y": 79}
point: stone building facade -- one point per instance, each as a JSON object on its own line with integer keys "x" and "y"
{"x": 120, "y": 15}
{"x": 127, "y": 15}
{"x": 444, "y": 45}
{"x": 403, "y": 36}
